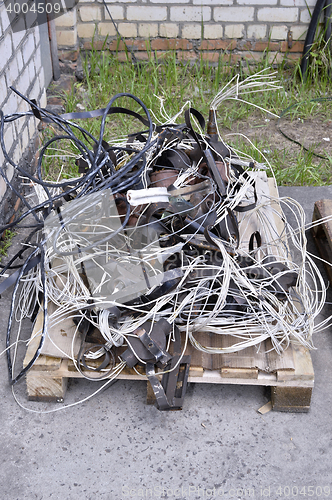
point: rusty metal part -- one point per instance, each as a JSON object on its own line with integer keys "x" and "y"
{"x": 223, "y": 169}
{"x": 201, "y": 187}
{"x": 163, "y": 178}
{"x": 211, "y": 126}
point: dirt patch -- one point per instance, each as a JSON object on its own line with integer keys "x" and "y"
{"x": 315, "y": 134}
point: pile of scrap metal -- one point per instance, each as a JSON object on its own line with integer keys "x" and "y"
{"x": 145, "y": 249}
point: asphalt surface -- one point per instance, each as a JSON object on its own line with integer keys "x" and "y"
{"x": 114, "y": 446}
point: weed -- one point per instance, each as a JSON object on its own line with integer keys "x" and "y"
{"x": 5, "y": 242}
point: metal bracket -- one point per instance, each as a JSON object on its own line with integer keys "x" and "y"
{"x": 170, "y": 392}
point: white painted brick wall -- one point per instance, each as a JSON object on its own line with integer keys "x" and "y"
{"x": 28, "y": 48}
{"x": 278, "y": 14}
{"x": 24, "y": 81}
{"x": 90, "y": 13}
{"x": 6, "y": 45}
{"x": 116, "y": 11}
{"x": 21, "y": 67}
{"x": 190, "y": 14}
{"x": 173, "y": 1}
{"x": 67, "y": 20}
{"x": 297, "y": 3}
{"x": 148, "y": 30}
{"x": 169, "y": 30}
{"x": 234, "y": 31}
{"x": 240, "y": 19}
{"x": 213, "y": 31}
{"x": 305, "y": 16}
{"x": 128, "y": 30}
{"x": 67, "y": 38}
{"x": 144, "y": 13}
{"x": 299, "y": 32}
{"x": 278, "y": 32}
{"x": 87, "y": 30}
{"x": 19, "y": 59}
{"x": 210, "y": 2}
{"x": 257, "y": 31}
{"x": 19, "y": 35}
{"x": 12, "y": 72}
{"x": 4, "y": 20}
{"x": 231, "y": 14}
{"x": 192, "y": 31}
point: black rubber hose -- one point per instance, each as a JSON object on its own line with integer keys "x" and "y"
{"x": 327, "y": 21}
{"x": 310, "y": 37}
{"x": 12, "y": 379}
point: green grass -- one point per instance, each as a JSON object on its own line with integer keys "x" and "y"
{"x": 291, "y": 166}
{"x": 176, "y": 83}
{"x": 5, "y": 242}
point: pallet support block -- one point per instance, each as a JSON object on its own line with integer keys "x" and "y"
{"x": 295, "y": 399}
{"x": 291, "y": 399}
{"x": 322, "y": 233}
{"x": 41, "y": 386}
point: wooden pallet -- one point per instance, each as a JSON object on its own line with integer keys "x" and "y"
{"x": 290, "y": 375}
{"x": 322, "y": 233}
{"x": 291, "y": 389}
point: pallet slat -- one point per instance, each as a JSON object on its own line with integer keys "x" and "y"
{"x": 322, "y": 233}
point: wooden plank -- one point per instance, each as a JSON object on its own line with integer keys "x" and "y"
{"x": 277, "y": 362}
{"x": 43, "y": 363}
{"x": 304, "y": 369}
{"x": 323, "y": 210}
{"x": 196, "y": 371}
{"x": 240, "y": 373}
{"x": 47, "y": 363}
{"x": 248, "y": 358}
{"x": 58, "y": 341}
{"x": 322, "y": 233}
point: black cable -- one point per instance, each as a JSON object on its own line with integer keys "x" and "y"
{"x": 12, "y": 379}
{"x": 309, "y": 39}
{"x": 19, "y": 254}
{"x": 135, "y": 62}
{"x": 100, "y": 174}
{"x": 90, "y": 182}
{"x": 327, "y": 21}
{"x": 84, "y": 182}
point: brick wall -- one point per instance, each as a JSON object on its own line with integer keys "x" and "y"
{"x": 192, "y": 27}
{"x": 20, "y": 67}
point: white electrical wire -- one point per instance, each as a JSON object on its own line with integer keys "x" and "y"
{"x": 208, "y": 291}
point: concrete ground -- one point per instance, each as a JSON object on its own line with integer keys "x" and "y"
{"x": 114, "y": 446}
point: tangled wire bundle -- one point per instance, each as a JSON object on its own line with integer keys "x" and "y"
{"x": 165, "y": 236}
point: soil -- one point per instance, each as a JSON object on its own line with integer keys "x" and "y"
{"x": 313, "y": 133}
